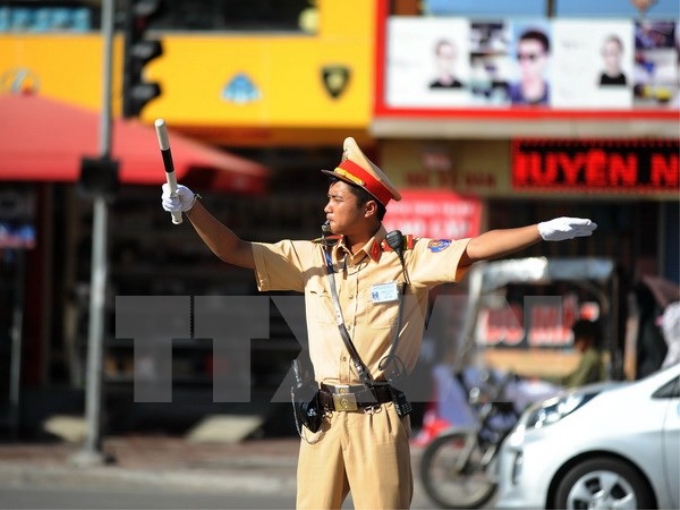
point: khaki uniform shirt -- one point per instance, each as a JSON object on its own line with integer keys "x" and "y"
{"x": 300, "y": 266}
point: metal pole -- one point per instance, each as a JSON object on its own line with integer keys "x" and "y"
{"x": 550, "y": 8}
{"x": 17, "y": 326}
{"x": 91, "y": 453}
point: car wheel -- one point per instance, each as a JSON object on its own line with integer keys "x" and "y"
{"x": 603, "y": 483}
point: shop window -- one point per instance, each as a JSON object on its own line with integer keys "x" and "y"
{"x": 174, "y": 15}
{"x": 231, "y": 15}
{"x": 48, "y": 17}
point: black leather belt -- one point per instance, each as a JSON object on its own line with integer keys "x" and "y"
{"x": 353, "y": 397}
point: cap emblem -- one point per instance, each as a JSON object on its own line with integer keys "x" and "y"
{"x": 347, "y": 175}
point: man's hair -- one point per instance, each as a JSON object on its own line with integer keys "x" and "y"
{"x": 587, "y": 330}
{"x": 536, "y": 35}
{"x": 363, "y": 196}
{"x": 616, "y": 40}
{"x": 443, "y": 42}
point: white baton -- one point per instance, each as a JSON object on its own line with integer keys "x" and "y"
{"x": 170, "y": 177}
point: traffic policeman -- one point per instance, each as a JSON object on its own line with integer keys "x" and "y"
{"x": 366, "y": 293}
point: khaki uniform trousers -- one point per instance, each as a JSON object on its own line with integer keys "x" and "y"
{"x": 366, "y": 453}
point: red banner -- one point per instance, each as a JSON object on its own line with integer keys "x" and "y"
{"x": 439, "y": 214}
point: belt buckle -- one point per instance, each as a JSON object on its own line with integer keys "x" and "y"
{"x": 343, "y": 400}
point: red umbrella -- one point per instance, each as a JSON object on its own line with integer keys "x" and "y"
{"x": 44, "y": 140}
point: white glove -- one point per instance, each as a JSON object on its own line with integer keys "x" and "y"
{"x": 183, "y": 202}
{"x": 563, "y": 228}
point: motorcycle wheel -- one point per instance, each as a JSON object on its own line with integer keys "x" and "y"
{"x": 451, "y": 481}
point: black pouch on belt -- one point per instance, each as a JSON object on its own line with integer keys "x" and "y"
{"x": 306, "y": 405}
{"x": 401, "y": 403}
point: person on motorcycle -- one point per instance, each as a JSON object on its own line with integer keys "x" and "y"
{"x": 590, "y": 369}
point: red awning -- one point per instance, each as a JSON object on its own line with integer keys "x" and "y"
{"x": 44, "y": 140}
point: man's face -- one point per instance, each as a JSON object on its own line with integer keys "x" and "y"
{"x": 531, "y": 57}
{"x": 581, "y": 344}
{"x": 611, "y": 52}
{"x": 342, "y": 210}
{"x": 446, "y": 57}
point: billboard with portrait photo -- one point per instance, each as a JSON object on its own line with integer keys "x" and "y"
{"x": 427, "y": 62}
{"x": 592, "y": 64}
{"x": 564, "y": 69}
{"x": 657, "y": 47}
{"x": 531, "y": 49}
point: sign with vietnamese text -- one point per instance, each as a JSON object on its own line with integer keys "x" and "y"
{"x": 536, "y": 322}
{"x": 438, "y": 214}
{"x": 639, "y": 165}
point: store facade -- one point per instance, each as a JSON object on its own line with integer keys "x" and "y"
{"x": 273, "y": 88}
{"x": 581, "y": 149}
{"x": 285, "y": 97}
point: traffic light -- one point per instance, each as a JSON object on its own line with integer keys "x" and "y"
{"x": 139, "y": 51}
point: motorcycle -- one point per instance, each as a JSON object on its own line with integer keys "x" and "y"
{"x": 456, "y": 467}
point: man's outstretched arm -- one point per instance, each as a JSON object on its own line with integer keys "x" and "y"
{"x": 221, "y": 240}
{"x": 498, "y": 243}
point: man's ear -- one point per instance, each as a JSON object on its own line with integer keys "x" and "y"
{"x": 371, "y": 208}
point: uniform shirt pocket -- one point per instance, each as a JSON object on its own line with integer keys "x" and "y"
{"x": 377, "y": 315}
{"x": 319, "y": 304}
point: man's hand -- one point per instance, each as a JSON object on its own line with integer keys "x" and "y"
{"x": 563, "y": 228}
{"x": 183, "y": 202}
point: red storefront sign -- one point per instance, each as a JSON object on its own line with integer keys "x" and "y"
{"x": 439, "y": 214}
{"x": 620, "y": 165}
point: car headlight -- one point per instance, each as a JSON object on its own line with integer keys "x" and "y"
{"x": 553, "y": 410}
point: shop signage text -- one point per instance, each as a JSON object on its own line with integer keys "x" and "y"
{"x": 540, "y": 321}
{"x": 439, "y": 214}
{"x": 620, "y": 165}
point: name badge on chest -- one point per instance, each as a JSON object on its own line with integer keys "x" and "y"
{"x": 384, "y": 292}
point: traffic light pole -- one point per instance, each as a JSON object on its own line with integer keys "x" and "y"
{"x": 92, "y": 454}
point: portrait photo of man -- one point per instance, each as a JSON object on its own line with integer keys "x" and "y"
{"x": 428, "y": 62}
{"x": 446, "y": 55}
{"x": 595, "y": 70}
{"x": 533, "y": 51}
{"x": 612, "y": 54}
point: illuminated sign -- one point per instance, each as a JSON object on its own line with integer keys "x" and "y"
{"x": 596, "y": 165}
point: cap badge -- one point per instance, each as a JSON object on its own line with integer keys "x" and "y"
{"x": 349, "y": 176}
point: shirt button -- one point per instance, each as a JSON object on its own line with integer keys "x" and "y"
{"x": 344, "y": 358}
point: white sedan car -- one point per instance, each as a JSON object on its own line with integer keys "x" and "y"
{"x": 612, "y": 445}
